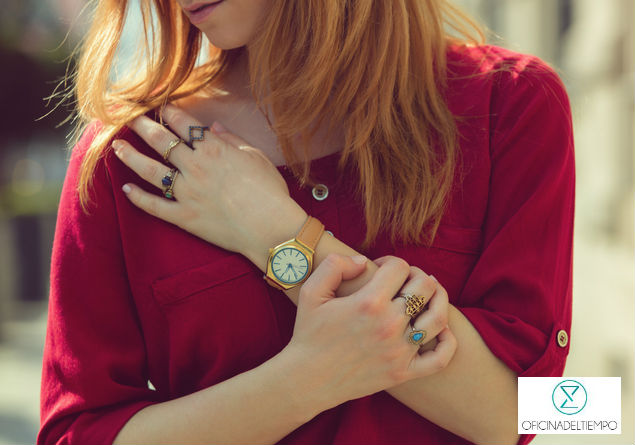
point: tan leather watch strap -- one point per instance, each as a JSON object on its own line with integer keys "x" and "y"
{"x": 310, "y": 233}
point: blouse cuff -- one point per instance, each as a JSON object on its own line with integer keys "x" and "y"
{"x": 99, "y": 426}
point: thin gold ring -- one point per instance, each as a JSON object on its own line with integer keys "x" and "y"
{"x": 173, "y": 144}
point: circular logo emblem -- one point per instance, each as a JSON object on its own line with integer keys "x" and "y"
{"x": 569, "y": 397}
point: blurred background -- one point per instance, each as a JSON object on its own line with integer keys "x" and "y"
{"x": 592, "y": 45}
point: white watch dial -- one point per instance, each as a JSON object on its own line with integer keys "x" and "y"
{"x": 290, "y": 265}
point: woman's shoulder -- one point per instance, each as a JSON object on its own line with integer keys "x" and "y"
{"x": 500, "y": 69}
{"x": 92, "y": 163}
{"x": 498, "y": 76}
{"x": 491, "y": 59}
{"x": 96, "y": 138}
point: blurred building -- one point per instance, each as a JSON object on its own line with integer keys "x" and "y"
{"x": 36, "y": 39}
{"x": 34, "y": 47}
{"x": 591, "y": 44}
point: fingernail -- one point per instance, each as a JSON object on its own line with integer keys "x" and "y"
{"x": 126, "y": 188}
{"x": 434, "y": 278}
{"x": 117, "y": 146}
{"x": 218, "y": 128}
{"x": 359, "y": 259}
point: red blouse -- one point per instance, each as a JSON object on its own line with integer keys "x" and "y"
{"x": 134, "y": 298}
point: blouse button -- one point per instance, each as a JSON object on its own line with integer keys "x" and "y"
{"x": 320, "y": 192}
{"x": 563, "y": 338}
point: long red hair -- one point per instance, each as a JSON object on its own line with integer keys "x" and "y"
{"x": 376, "y": 68}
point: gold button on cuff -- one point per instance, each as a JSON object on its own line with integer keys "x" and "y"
{"x": 563, "y": 338}
{"x": 320, "y": 192}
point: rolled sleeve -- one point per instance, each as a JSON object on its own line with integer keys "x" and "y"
{"x": 94, "y": 375}
{"x": 518, "y": 295}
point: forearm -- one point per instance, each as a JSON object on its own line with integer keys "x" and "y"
{"x": 474, "y": 377}
{"x": 259, "y": 406}
{"x": 475, "y": 396}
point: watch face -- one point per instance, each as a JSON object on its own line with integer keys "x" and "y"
{"x": 289, "y": 265}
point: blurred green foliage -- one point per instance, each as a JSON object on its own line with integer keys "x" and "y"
{"x": 45, "y": 200}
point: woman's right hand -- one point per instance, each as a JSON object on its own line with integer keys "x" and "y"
{"x": 353, "y": 346}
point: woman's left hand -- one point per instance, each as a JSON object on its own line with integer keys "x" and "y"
{"x": 226, "y": 192}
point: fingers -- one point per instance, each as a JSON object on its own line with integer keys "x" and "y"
{"x": 184, "y": 124}
{"x": 152, "y": 171}
{"x": 162, "y": 208}
{"x": 381, "y": 260}
{"x": 199, "y": 136}
{"x": 435, "y": 318}
{"x": 430, "y": 325}
{"x": 189, "y": 131}
{"x": 386, "y": 281}
{"x": 326, "y": 278}
{"x": 159, "y": 138}
{"x": 431, "y": 362}
{"x": 415, "y": 284}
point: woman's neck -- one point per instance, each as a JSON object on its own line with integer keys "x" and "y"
{"x": 232, "y": 103}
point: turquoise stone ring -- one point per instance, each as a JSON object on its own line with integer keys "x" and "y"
{"x": 416, "y": 337}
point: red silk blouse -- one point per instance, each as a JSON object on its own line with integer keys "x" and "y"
{"x": 134, "y": 298}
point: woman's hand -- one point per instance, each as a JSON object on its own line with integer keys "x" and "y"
{"x": 226, "y": 192}
{"x": 434, "y": 317}
{"x": 357, "y": 345}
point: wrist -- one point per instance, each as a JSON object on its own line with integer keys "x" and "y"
{"x": 287, "y": 225}
{"x": 301, "y": 384}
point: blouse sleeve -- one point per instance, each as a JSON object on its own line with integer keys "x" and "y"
{"x": 94, "y": 375}
{"x": 518, "y": 295}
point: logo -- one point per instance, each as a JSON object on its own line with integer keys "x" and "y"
{"x": 578, "y": 405}
{"x": 569, "y": 397}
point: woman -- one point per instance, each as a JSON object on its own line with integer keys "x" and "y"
{"x": 448, "y": 161}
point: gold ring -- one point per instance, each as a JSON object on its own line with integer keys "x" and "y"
{"x": 173, "y": 144}
{"x": 414, "y": 303}
{"x": 169, "y": 193}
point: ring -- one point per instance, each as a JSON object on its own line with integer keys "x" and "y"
{"x": 414, "y": 303}
{"x": 417, "y": 336}
{"x": 169, "y": 180}
{"x": 173, "y": 144}
{"x": 198, "y": 137}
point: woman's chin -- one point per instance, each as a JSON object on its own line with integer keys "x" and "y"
{"x": 224, "y": 42}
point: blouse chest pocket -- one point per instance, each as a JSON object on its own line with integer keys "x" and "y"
{"x": 220, "y": 322}
{"x": 458, "y": 239}
{"x": 451, "y": 258}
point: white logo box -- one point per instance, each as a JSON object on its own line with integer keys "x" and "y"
{"x": 569, "y": 405}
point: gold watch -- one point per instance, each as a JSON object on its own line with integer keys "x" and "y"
{"x": 291, "y": 262}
